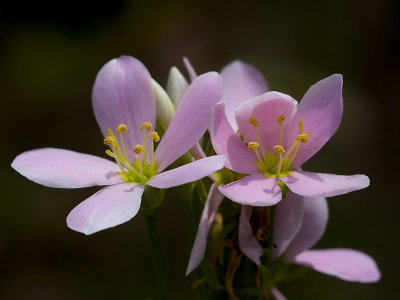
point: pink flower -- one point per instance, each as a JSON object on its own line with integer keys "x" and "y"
{"x": 299, "y": 223}
{"x": 123, "y": 103}
{"x": 276, "y": 136}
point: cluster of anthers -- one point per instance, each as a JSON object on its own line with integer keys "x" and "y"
{"x": 276, "y": 164}
{"x": 138, "y": 169}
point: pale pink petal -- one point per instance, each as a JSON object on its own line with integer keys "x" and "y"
{"x": 190, "y": 69}
{"x": 238, "y": 157}
{"x": 324, "y": 185}
{"x": 60, "y": 168}
{"x": 191, "y": 119}
{"x": 255, "y": 190}
{"x": 287, "y": 222}
{"x": 188, "y": 173}
{"x": 346, "y": 264}
{"x": 241, "y": 81}
{"x": 266, "y": 109}
{"x": 321, "y": 111}
{"x": 199, "y": 247}
{"x": 277, "y": 294}
{"x": 312, "y": 228}
{"x": 123, "y": 94}
{"x": 247, "y": 241}
{"x": 107, "y": 208}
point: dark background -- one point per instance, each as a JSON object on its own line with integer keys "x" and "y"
{"x": 50, "y": 54}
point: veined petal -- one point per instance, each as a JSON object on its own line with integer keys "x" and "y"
{"x": 324, "y": 185}
{"x": 107, "y": 208}
{"x": 346, "y": 264}
{"x": 188, "y": 173}
{"x": 191, "y": 119}
{"x": 247, "y": 241}
{"x": 123, "y": 94}
{"x": 321, "y": 111}
{"x": 312, "y": 228}
{"x": 207, "y": 217}
{"x": 266, "y": 109}
{"x": 238, "y": 157}
{"x": 60, "y": 168}
{"x": 287, "y": 222}
{"x": 255, "y": 190}
{"x": 240, "y": 82}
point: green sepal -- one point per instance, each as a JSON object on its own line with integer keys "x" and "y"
{"x": 211, "y": 275}
{"x": 152, "y": 198}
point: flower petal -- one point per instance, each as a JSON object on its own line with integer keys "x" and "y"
{"x": 60, "y": 168}
{"x": 287, "y": 222}
{"x": 321, "y": 111}
{"x": 188, "y": 173}
{"x": 241, "y": 81}
{"x": 266, "y": 109}
{"x": 176, "y": 85}
{"x": 312, "y": 228}
{"x": 191, "y": 119}
{"x": 107, "y": 208}
{"x": 207, "y": 217}
{"x": 346, "y": 264}
{"x": 254, "y": 190}
{"x": 277, "y": 294}
{"x": 123, "y": 94}
{"x": 247, "y": 241}
{"x": 190, "y": 69}
{"x": 324, "y": 185}
{"x": 238, "y": 157}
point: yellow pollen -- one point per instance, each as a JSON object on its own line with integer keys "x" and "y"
{"x": 253, "y": 146}
{"x": 122, "y": 128}
{"x": 146, "y": 125}
{"x": 302, "y": 138}
{"x": 253, "y": 121}
{"x": 279, "y": 149}
{"x": 280, "y": 119}
{"x": 109, "y": 140}
{"x": 154, "y": 136}
{"x": 138, "y": 149}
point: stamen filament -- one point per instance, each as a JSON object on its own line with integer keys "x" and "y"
{"x": 120, "y": 129}
{"x": 146, "y": 126}
{"x": 253, "y": 121}
{"x": 154, "y": 137}
{"x": 115, "y": 156}
{"x": 139, "y": 149}
{"x": 279, "y": 149}
{"x": 253, "y": 146}
{"x": 280, "y": 120}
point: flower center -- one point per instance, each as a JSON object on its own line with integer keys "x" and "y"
{"x": 276, "y": 162}
{"x": 137, "y": 170}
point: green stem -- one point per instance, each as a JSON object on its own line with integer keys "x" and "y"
{"x": 151, "y": 225}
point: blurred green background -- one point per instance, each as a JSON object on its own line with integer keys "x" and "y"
{"x": 50, "y": 54}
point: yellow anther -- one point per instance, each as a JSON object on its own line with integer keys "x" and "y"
{"x": 279, "y": 149}
{"x": 253, "y": 146}
{"x": 302, "y": 138}
{"x": 253, "y": 121}
{"x": 109, "y": 140}
{"x": 280, "y": 119}
{"x": 154, "y": 136}
{"x": 138, "y": 148}
{"x": 108, "y": 151}
{"x": 146, "y": 125}
{"x": 122, "y": 128}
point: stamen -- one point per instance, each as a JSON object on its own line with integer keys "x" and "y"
{"x": 115, "y": 156}
{"x": 120, "y": 129}
{"x": 138, "y": 149}
{"x": 253, "y": 146}
{"x": 253, "y": 121}
{"x": 145, "y": 126}
{"x": 280, "y": 120}
{"x": 154, "y": 137}
{"x": 110, "y": 141}
{"x": 302, "y": 138}
{"x": 279, "y": 149}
